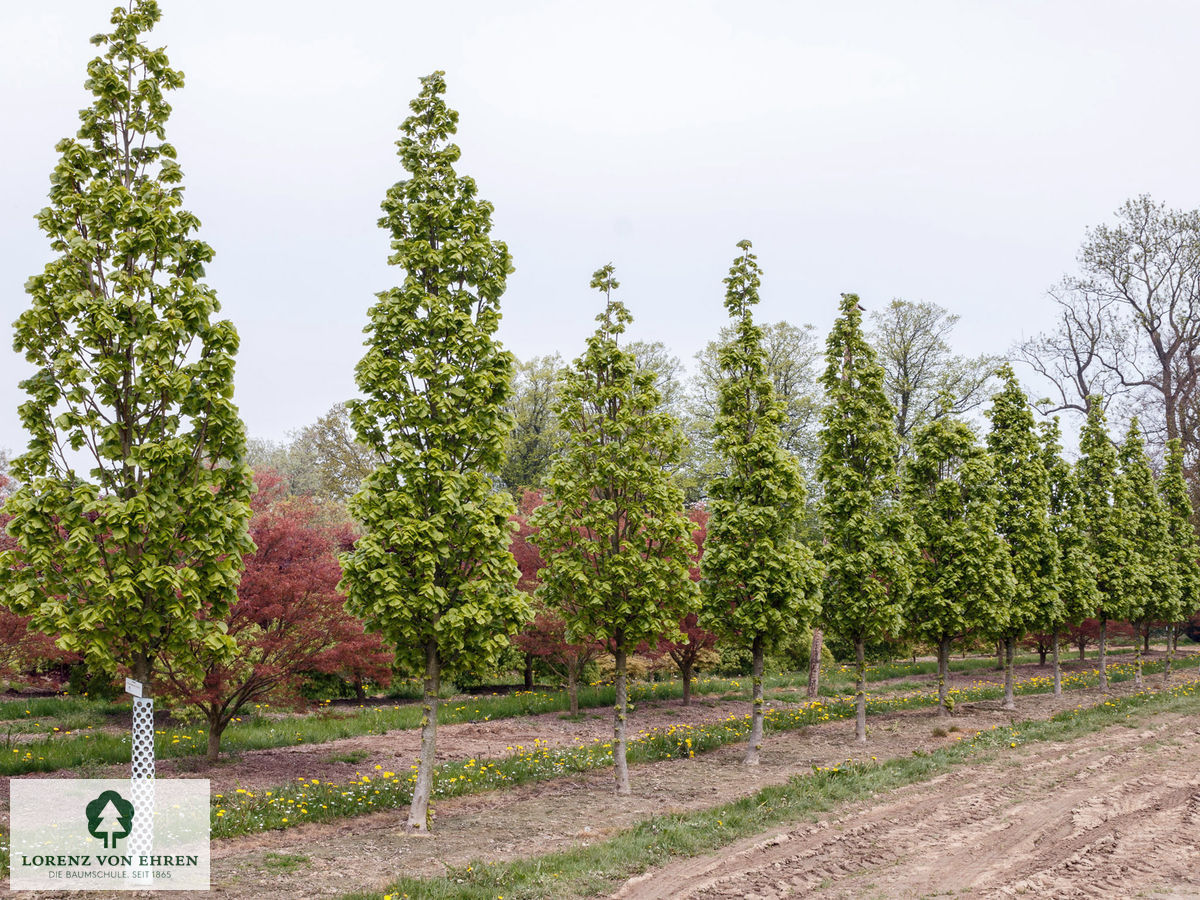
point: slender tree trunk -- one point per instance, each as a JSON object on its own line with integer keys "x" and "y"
{"x": 360, "y": 692}
{"x": 1057, "y": 667}
{"x": 999, "y": 654}
{"x": 529, "y": 671}
{"x": 943, "y": 660}
{"x": 860, "y": 691}
{"x": 1082, "y": 652}
{"x": 686, "y": 671}
{"x": 418, "y": 812}
{"x": 1103, "y": 656}
{"x": 215, "y": 729}
{"x": 1137, "y": 663}
{"x": 756, "y": 712}
{"x": 814, "y": 664}
{"x": 620, "y": 763}
{"x": 573, "y": 687}
{"x": 1043, "y": 652}
{"x": 1010, "y": 644}
{"x": 1170, "y": 655}
{"x": 1146, "y": 638}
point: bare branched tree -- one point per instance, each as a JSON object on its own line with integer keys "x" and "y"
{"x": 1128, "y": 325}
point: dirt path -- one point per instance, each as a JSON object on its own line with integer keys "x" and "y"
{"x": 1116, "y": 814}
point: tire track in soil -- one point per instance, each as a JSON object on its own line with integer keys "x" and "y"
{"x": 1100, "y": 817}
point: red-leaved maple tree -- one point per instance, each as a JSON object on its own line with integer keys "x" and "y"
{"x": 289, "y": 619}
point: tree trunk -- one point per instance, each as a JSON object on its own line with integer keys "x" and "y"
{"x": 1170, "y": 655}
{"x": 943, "y": 659}
{"x": 756, "y": 712}
{"x": 686, "y": 671}
{"x": 215, "y": 729}
{"x": 529, "y": 671}
{"x": 1010, "y": 644}
{"x": 1137, "y": 662}
{"x": 1082, "y": 652}
{"x": 418, "y": 812}
{"x": 1146, "y": 638}
{"x": 360, "y": 692}
{"x": 999, "y": 654}
{"x": 1103, "y": 652}
{"x": 814, "y": 664}
{"x": 1043, "y": 652}
{"x": 1057, "y": 667}
{"x": 573, "y": 687}
{"x": 860, "y": 691}
{"x": 620, "y": 763}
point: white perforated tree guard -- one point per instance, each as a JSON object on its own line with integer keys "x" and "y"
{"x": 141, "y": 838}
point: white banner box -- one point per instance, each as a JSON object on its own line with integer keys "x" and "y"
{"x": 101, "y": 834}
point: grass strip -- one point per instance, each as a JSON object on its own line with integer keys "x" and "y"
{"x": 600, "y": 868}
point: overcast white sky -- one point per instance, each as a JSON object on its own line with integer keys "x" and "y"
{"x": 952, "y": 152}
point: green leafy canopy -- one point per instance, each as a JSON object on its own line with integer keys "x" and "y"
{"x": 962, "y": 577}
{"x": 133, "y": 375}
{"x": 1023, "y": 491}
{"x": 868, "y": 550}
{"x": 759, "y": 580}
{"x": 616, "y": 542}
{"x": 433, "y": 562}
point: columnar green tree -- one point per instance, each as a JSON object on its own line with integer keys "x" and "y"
{"x": 1023, "y": 491}
{"x": 616, "y": 542}
{"x": 432, "y": 572}
{"x": 140, "y": 552}
{"x": 1077, "y": 571}
{"x": 1107, "y": 549}
{"x": 1184, "y": 551}
{"x": 1149, "y": 580}
{"x": 962, "y": 576}
{"x": 759, "y": 582}
{"x": 868, "y": 550}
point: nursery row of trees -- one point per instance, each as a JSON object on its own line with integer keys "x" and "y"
{"x": 145, "y": 563}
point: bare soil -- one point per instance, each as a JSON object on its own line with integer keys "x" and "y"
{"x": 1112, "y": 815}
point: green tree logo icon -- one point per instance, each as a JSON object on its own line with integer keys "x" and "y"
{"x": 110, "y": 817}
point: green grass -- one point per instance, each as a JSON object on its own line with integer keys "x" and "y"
{"x": 601, "y": 867}
{"x": 284, "y": 862}
{"x": 353, "y": 757}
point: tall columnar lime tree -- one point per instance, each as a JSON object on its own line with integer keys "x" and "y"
{"x": 1105, "y": 537}
{"x": 868, "y": 550}
{"x": 760, "y": 583}
{"x": 1077, "y": 571}
{"x": 616, "y": 542}
{"x": 1184, "y": 551}
{"x": 1149, "y": 581}
{"x": 432, "y": 572}
{"x": 138, "y": 553}
{"x": 962, "y": 575}
{"x": 1023, "y": 492}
